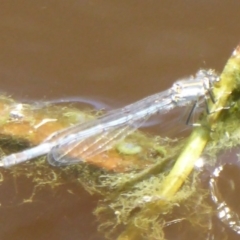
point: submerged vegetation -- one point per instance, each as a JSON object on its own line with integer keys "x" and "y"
{"x": 148, "y": 183}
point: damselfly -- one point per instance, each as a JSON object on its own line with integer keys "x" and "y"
{"x": 96, "y": 136}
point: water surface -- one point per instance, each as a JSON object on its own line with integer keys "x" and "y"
{"x": 121, "y": 51}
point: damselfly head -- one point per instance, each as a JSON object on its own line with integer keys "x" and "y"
{"x": 209, "y": 75}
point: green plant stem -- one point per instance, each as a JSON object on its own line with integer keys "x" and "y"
{"x": 229, "y": 81}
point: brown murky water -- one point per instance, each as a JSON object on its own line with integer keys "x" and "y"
{"x": 109, "y": 50}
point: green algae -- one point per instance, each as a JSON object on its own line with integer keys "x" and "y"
{"x": 155, "y": 191}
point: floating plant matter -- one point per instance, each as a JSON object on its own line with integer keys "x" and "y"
{"x": 148, "y": 183}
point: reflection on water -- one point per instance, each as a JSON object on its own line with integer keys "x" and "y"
{"x": 122, "y": 51}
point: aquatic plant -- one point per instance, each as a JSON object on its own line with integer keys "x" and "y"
{"x": 147, "y": 183}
